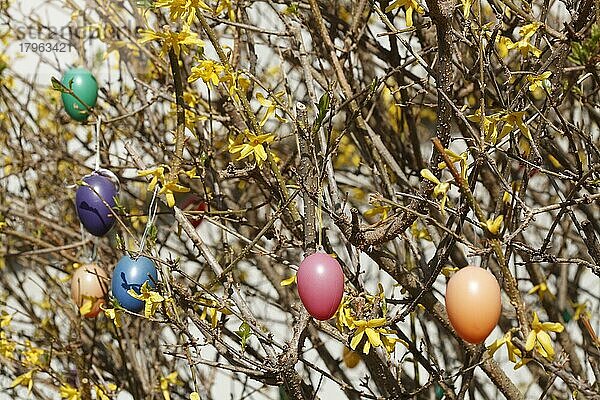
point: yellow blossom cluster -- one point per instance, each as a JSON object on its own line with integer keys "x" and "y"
{"x": 523, "y": 44}
{"x": 378, "y": 208}
{"x": 375, "y": 330}
{"x": 169, "y": 183}
{"x": 152, "y": 299}
{"x": 211, "y": 311}
{"x": 409, "y": 6}
{"x": 183, "y": 9}
{"x": 69, "y": 392}
{"x": 208, "y": 70}
{"x": 177, "y": 41}
{"x": 509, "y": 120}
{"x": 248, "y": 144}
{"x": 440, "y": 189}
{"x": 538, "y": 340}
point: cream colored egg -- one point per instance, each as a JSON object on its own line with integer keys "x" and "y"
{"x": 89, "y": 282}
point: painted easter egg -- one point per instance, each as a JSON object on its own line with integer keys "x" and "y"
{"x": 94, "y": 202}
{"x": 473, "y": 303}
{"x": 194, "y": 203}
{"x": 85, "y": 87}
{"x": 320, "y": 285}
{"x": 107, "y": 173}
{"x": 89, "y": 282}
{"x": 351, "y": 358}
{"x": 131, "y": 273}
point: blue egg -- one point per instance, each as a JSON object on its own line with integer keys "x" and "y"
{"x": 131, "y": 274}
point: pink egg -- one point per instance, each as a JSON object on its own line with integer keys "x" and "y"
{"x": 320, "y": 285}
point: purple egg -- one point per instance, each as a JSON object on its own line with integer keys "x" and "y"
{"x": 90, "y": 200}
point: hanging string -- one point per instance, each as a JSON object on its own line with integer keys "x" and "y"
{"x": 97, "y": 163}
{"x": 320, "y": 193}
{"x": 94, "y": 254}
{"x": 320, "y": 219}
{"x": 83, "y": 236}
{"x": 96, "y": 168}
{"x": 151, "y": 217}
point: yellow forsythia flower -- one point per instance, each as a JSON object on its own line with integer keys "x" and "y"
{"x": 537, "y": 81}
{"x": 270, "y": 104}
{"x": 168, "y": 189}
{"x": 512, "y": 350}
{"x": 152, "y": 299}
{"x": 115, "y": 315}
{"x": 523, "y": 44}
{"x": 207, "y": 70}
{"x": 165, "y": 381}
{"x": 409, "y": 6}
{"x": 494, "y": 225}
{"x": 25, "y": 379}
{"x": 249, "y": 144}
{"x": 69, "y": 392}
{"x": 178, "y": 41}
{"x": 542, "y": 291}
{"x": 539, "y": 337}
{"x": 289, "y": 281}
{"x": 441, "y": 188}
{"x": 182, "y": 9}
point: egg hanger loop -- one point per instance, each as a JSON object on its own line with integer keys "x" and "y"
{"x": 85, "y": 251}
{"x": 320, "y": 247}
{"x": 97, "y": 169}
{"x": 94, "y": 253}
{"x": 152, "y": 209}
{"x": 97, "y": 162}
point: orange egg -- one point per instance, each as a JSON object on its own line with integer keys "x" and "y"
{"x": 351, "y": 358}
{"x": 89, "y": 282}
{"x": 473, "y": 303}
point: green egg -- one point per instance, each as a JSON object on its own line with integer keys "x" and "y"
{"x": 439, "y": 392}
{"x": 84, "y": 85}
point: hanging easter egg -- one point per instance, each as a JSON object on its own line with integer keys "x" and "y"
{"x": 282, "y": 393}
{"x": 94, "y": 201}
{"x": 473, "y": 303}
{"x": 194, "y": 203}
{"x": 107, "y": 173}
{"x": 131, "y": 274}
{"x": 439, "y": 392}
{"x": 566, "y": 315}
{"x": 351, "y": 358}
{"x": 85, "y": 87}
{"x": 89, "y": 283}
{"x": 320, "y": 285}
